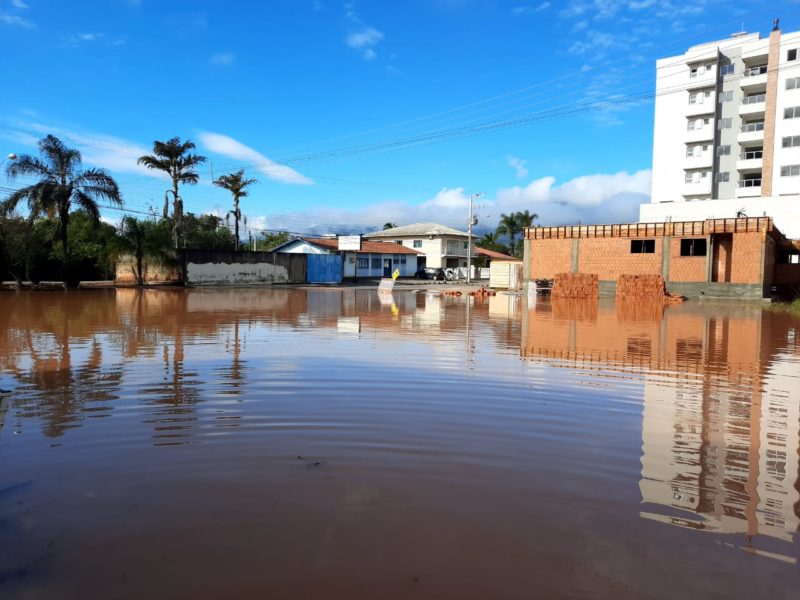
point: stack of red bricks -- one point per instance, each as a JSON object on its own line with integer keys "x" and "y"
{"x": 575, "y": 285}
{"x": 641, "y": 287}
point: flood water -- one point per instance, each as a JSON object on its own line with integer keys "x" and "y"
{"x": 314, "y": 443}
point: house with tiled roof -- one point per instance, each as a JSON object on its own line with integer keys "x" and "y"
{"x": 374, "y": 259}
{"x": 439, "y": 245}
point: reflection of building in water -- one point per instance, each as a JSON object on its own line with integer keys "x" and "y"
{"x": 721, "y": 414}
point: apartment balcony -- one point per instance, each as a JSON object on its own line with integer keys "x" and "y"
{"x": 754, "y": 77}
{"x": 748, "y": 188}
{"x": 703, "y": 134}
{"x": 751, "y": 132}
{"x": 703, "y": 161}
{"x": 697, "y": 188}
{"x": 751, "y": 160}
{"x": 753, "y": 106}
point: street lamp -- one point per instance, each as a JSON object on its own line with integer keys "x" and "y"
{"x": 472, "y": 221}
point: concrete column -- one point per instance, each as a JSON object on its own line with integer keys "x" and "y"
{"x": 665, "y": 257}
{"x": 769, "y": 111}
{"x": 526, "y": 259}
{"x": 575, "y": 254}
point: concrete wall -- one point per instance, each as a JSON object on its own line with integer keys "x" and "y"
{"x": 155, "y": 271}
{"x": 204, "y": 268}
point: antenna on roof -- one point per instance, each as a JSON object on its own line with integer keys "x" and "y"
{"x": 775, "y": 24}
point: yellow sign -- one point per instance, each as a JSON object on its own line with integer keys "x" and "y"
{"x": 396, "y": 274}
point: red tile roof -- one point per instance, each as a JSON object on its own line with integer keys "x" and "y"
{"x": 492, "y": 254}
{"x": 367, "y": 247}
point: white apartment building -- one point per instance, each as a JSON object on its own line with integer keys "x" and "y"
{"x": 440, "y": 246}
{"x": 727, "y": 132}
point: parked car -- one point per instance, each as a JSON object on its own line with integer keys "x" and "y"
{"x": 431, "y": 273}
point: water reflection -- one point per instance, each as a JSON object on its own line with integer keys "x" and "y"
{"x": 721, "y": 407}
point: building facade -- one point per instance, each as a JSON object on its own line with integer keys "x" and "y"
{"x": 440, "y": 246}
{"x": 741, "y": 258}
{"x": 727, "y": 132}
{"x": 375, "y": 259}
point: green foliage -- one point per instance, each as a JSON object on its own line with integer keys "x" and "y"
{"x": 512, "y": 225}
{"x": 272, "y": 240}
{"x": 207, "y": 232}
{"x": 491, "y": 241}
{"x": 61, "y": 184}
{"x": 236, "y": 184}
{"x": 141, "y": 239}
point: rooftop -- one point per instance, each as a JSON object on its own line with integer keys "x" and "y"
{"x": 367, "y": 247}
{"x": 493, "y": 254}
{"x": 418, "y": 229}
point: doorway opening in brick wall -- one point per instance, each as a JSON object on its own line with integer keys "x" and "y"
{"x": 722, "y": 257}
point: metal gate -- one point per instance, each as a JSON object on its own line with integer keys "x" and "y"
{"x": 324, "y": 268}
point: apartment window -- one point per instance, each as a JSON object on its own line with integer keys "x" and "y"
{"x": 690, "y": 126}
{"x": 706, "y": 121}
{"x": 399, "y": 242}
{"x": 723, "y": 177}
{"x": 793, "y": 141}
{"x": 363, "y": 263}
{"x": 725, "y": 123}
{"x": 790, "y": 171}
{"x": 693, "y": 247}
{"x": 643, "y": 246}
{"x": 727, "y": 69}
{"x": 417, "y": 243}
{"x": 791, "y": 54}
{"x": 689, "y": 178}
{"x": 723, "y": 150}
{"x": 793, "y": 83}
{"x": 376, "y": 263}
{"x": 692, "y": 98}
{"x": 726, "y": 96}
{"x": 793, "y": 112}
{"x": 693, "y": 72}
{"x": 466, "y": 245}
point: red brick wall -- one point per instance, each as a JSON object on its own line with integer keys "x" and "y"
{"x": 769, "y": 261}
{"x": 686, "y": 268}
{"x": 549, "y": 257}
{"x": 611, "y": 257}
{"x": 747, "y": 262}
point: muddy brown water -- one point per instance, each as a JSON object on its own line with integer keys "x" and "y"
{"x": 314, "y": 443}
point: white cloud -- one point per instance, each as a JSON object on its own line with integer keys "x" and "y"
{"x": 528, "y": 9}
{"x": 227, "y": 146}
{"x": 77, "y": 39}
{"x": 601, "y": 198}
{"x": 223, "y": 59}
{"x": 97, "y": 149}
{"x": 519, "y": 166}
{"x": 16, "y": 21}
{"x": 364, "y": 38}
{"x": 19, "y": 4}
{"x": 370, "y": 54}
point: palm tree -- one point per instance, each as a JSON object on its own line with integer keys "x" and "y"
{"x": 525, "y": 219}
{"x": 235, "y": 183}
{"x": 141, "y": 238}
{"x": 176, "y": 160}
{"x": 491, "y": 241}
{"x": 62, "y": 182}
{"x": 508, "y": 227}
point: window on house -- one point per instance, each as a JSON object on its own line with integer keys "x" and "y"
{"x": 690, "y": 126}
{"x": 690, "y": 151}
{"x": 692, "y": 98}
{"x": 793, "y": 83}
{"x": 363, "y": 263}
{"x": 417, "y": 243}
{"x": 726, "y": 96}
{"x": 693, "y": 247}
{"x": 725, "y": 123}
{"x": 643, "y": 246}
{"x": 694, "y": 70}
{"x": 703, "y": 174}
{"x": 466, "y": 245}
{"x": 376, "y": 263}
{"x": 399, "y": 242}
{"x": 791, "y": 54}
{"x": 792, "y": 141}
{"x": 396, "y": 259}
{"x": 789, "y": 256}
{"x": 793, "y": 112}
{"x": 689, "y": 178}
{"x": 402, "y": 260}
{"x": 723, "y": 177}
{"x": 723, "y": 150}
{"x": 790, "y": 171}
{"x": 727, "y": 69}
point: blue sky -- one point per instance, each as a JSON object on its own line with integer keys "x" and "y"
{"x": 320, "y": 99}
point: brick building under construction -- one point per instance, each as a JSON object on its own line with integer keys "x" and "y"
{"x": 717, "y": 258}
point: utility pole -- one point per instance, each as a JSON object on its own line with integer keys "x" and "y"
{"x": 472, "y": 221}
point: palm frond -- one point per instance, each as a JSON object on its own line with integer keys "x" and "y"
{"x": 87, "y": 203}
{"x": 26, "y": 164}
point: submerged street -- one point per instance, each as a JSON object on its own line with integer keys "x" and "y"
{"x": 337, "y": 443}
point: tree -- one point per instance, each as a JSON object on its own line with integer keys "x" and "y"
{"x": 389, "y": 226}
{"x": 491, "y": 241}
{"x": 205, "y": 232}
{"x": 235, "y": 183}
{"x": 523, "y": 219}
{"x": 176, "y": 159}
{"x": 141, "y": 238}
{"x": 62, "y": 182}
{"x": 508, "y": 227}
{"x": 273, "y": 240}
